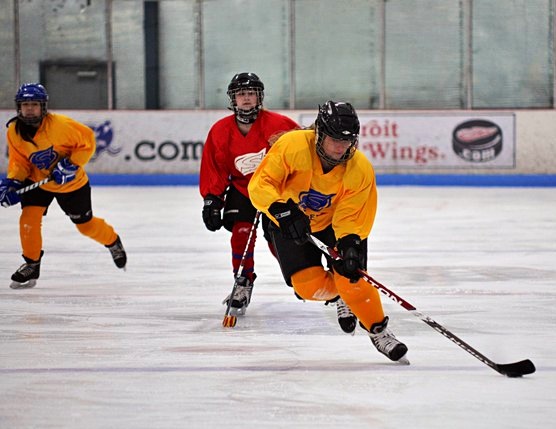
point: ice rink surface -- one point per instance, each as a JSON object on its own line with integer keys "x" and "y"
{"x": 95, "y": 347}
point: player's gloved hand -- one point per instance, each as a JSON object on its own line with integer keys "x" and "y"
{"x": 8, "y": 194}
{"x": 212, "y": 212}
{"x": 64, "y": 171}
{"x": 294, "y": 224}
{"x": 351, "y": 251}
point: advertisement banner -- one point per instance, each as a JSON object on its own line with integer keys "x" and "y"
{"x": 171, "y": 142}
{"x": 142, "y": 142}
{"x": 436, "y": 140}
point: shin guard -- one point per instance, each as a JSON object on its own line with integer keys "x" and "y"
{"x": 362, "y": 298}
{"x": 98, "y": 230}
{"x": 238, "y": 241}
{"x": 314, "y": 284}
{"x": 30, "y": 231}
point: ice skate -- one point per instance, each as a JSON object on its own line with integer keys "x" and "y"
{"x": 26, "y": 276}
{"x": 386, "y": 343}
{"x": 118, "y": 253}
{"x": 241, "y": 297}
{"x": 346, "y": 319}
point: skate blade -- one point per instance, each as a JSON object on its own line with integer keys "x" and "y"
{"x": 237, "y": 311}
{"x": 403, "y": 361}
{"x": 348, "y": 332}
{"x": 25, "y": 285}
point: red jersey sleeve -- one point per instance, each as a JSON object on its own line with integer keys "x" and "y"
{"x": 214, "y": 176}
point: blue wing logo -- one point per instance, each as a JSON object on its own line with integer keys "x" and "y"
{"x": 104, "y": 135}
{"x": 314, "y": 200}
{"x": 43, "y": 159}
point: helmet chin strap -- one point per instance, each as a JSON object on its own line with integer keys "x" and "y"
{"x": 246, "y": 116}
{"x": 33, "y": 120}
{"x": 246, "y": 119}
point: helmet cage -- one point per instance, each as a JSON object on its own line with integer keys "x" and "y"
{"x": 348, "y": 154}
{"x": 339, "y": 121}
{"x": 246, "y": 82}
{"x": 246, "y": 116}
{"x": 31, "y": 92}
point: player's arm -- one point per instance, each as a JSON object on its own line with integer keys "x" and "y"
{"x": 19, "y": 167}
{"x": 213, "y": 175}
{"x": 356, "y": 210}
{"x": 213, "y": 181}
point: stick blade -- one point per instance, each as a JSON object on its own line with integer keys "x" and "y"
{"x": 516, "y": 369}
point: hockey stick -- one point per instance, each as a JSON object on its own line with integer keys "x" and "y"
{"x": 516, "y": 369}
{"x": 230, "y": 320}
{"x": 32, "y": 186}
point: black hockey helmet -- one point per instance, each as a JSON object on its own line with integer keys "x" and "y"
{"x": 338, "y": 120}
{"x": 246, "y": 81}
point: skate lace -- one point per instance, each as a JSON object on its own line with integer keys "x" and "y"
{"x": 385, "y": 340}
{"x": 343, "y": 310}
{"x": 117, "y": 251}
{"x": 27, "y": 269}
{"x": 26, "y": 272}
{"x": 242, "y": 292}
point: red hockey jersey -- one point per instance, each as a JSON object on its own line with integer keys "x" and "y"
{"x": 229, "y": 157}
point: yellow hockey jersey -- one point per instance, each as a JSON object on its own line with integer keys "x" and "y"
{"x": 345, "y": 197}
{"x": 58, "y": 136}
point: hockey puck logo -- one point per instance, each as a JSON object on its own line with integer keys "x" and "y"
{"x": 477, "y": 140}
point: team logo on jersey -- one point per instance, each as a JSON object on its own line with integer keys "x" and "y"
{"x": 43, "y": 159}
{"x": 248, "y": 163}
{"x": 314, "y": 200}
{"x": 104, "y": 135}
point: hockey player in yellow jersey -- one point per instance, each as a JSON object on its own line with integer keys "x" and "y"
{"x": 42, "y": 144}
{"x": 316, "y": 181}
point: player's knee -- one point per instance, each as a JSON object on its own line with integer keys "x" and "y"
{"x": 80, "y": 218}
{"x": 314, "y": 284}
{"x": 353, "y": 293}
{"x": 31, "y": 215}
{"x": 86, "y": 228}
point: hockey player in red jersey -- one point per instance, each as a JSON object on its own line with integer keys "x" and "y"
{"x": 233, "y": 149}
{"x": 315, "y": 181}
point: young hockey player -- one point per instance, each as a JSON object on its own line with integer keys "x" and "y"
{"x": 42, "y": 144}
{"x": 233, "y": 149}
{"x": 315, "y": 181}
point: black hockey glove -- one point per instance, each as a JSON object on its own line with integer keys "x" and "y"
{"x": 294, "y": 224}
{"x": 212, "y": 212}
{"x": 351, "y": 251}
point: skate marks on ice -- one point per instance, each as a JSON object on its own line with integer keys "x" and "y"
{"x": 90, "y": 345}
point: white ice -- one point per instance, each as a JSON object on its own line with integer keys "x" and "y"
{"x": 95, "y": 347}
